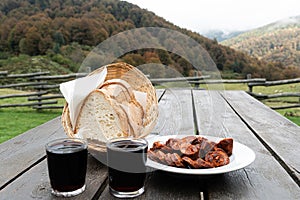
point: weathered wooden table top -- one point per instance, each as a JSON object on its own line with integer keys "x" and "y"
{"x": 273, "y": 175}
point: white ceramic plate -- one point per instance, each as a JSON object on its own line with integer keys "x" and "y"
{"x": 241, "y": 157}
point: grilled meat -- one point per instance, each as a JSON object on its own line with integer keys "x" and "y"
{"x": 227, "y": 145}
{"x": 192, "y": 152}
{"x": 217, "y": 157}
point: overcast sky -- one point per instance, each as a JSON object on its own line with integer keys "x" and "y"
{"x": 203, "y": 15}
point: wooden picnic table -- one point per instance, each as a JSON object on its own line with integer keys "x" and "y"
{"x": 273, "y": 175}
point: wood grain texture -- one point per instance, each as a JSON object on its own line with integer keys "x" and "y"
{"x": 210, "y": 112}
{"x": 159, "y": 93}
{"x": 23, "y": 167}
{"x": 23, "y": 151}
{"x": 276, "y": 131}
{"x": 263, "y": 179}
{"x": 162, "y": 186}
{"x": 175, "y": 113}
{"x": 35, "y": 184}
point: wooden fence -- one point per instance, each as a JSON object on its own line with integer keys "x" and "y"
{"x": 42, "y": 89}
{"x": 45, "y": 88}
{"x": 277, "y": 95}
{"x": 260, "y": 82}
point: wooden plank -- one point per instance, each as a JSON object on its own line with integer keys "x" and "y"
{"x": 277, "y": 132}
{"x": 217, "y": 81}
{"x": 28, "y": 75}
{"x": 28, "y": 104}
{"x": 39, "y": 187}
{"x": 285, "y": 107}
{"x": 47, "y": 107}
{"x": 22, "y": 84}
{"x": 159, "y": 93}
{"x": 177, "y": 79}
{"x": 57, "y": 96}
{"x": 3, "y": 73}
{"x": 19, "y": 154}
{"x": 175, "y": 113}
{"x": 23, "y": 95}
{"x": 269, "y": 96}
{"x": 280, "y": 82}
{"x": 162, "y": 186}
{"x": 209, "y": 109}
{"x": 42, "y": 87}
{"x": 263, "y": 179}
{"x": 55, "y": 77}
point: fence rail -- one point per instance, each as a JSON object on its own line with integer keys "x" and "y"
{"x": 22, "y": 84}
{"x": 58, "y": 77}
{"x": 272, "y": 83}
{"x": 45, "y": 89}
{"x": 27, "y": 104}
{"x": 46, "y": 92}
{"x": 278, "y": 95}
{"x": 23, "y": 95}
{"x": 26, "y": 75}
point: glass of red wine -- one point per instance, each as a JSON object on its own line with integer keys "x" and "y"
{"x": 126, "y": 160}
{"x": 67, "y": 164}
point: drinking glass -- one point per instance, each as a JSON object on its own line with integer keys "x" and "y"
{"x": 67, "y": 164}
{"x": 126, "y": 159}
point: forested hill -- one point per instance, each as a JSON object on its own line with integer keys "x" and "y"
{"x": 278, "y": 41}
{"x": 62, "y": 32}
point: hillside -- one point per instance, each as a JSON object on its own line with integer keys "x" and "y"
{"x": 221, "y": 35}
{"x": 279, "y": 42}
{"x": 64, "y": 32}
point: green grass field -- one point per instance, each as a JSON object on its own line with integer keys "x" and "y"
{"x": 15, "y": 121}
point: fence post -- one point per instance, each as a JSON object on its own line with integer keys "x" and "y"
{"x": 39, "y": 96}
{"x": 196, "y": 74}
{"x": 250, "y": 87}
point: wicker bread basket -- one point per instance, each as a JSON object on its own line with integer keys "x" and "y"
{"x": 139, "y": 82}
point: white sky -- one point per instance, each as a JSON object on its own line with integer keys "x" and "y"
{"x": 203, "y": 15}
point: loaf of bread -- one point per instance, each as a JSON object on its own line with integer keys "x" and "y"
{"x": 111, "y": 111}
{"x": 124, "y": 105}
{"x": 101, "y": 118}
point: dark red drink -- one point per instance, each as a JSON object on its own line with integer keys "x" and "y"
{"x": 127, "y": 166}
{"x": 67, "y": 163}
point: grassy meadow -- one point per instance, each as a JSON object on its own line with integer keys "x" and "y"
{"x": 15, "y": 121}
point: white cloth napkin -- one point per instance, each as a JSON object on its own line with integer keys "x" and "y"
{"x": 77, "y": 90}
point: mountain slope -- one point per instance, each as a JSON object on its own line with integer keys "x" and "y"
{"x": 276, "y": 42}
{"x": 220, "y": 35}
{"x": 65, "y": 31}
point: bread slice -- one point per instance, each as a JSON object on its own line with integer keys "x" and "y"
{"x": 120, "y": 91}
{"x": 101, "y": 118}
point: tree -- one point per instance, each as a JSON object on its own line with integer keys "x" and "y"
{"x": 16, "y": 34}
{"x": 45, "y": 44}
{"x": 56, "y": 48}
{"x": 58, "y": 38}
{"x": 30, "y": 45}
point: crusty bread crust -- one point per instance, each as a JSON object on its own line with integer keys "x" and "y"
{"x": 118, "y": 91}
{"x": 100, "y": 118}
{"x": 139, "y": 82}
{"x": 122, "y": 92}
